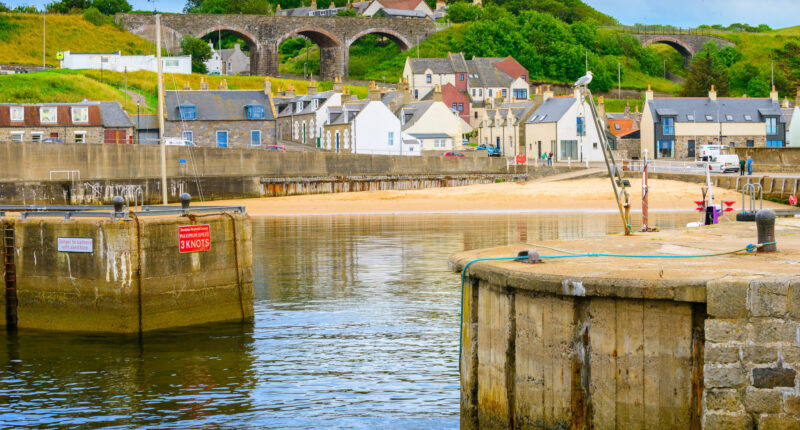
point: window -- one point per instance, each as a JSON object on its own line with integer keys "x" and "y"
{"x": 255, "y": 138}
{"x": 774, "y": 143}
{"x": 80, "y": 114}
{"x": 299, "y": 106}
{"x": 476, "y": 114}
{"x": 616, "y": 126}
{"x": 729, "y": 117}
{"x": 490, "y": 92}
{"x": 170, "y": 63}
{"x": 524, "y": 77}
{"x": 460, "y": 76}
{"x": 474, "y": 92}
{"x": 581, "y": 122}
{"x": 748, "y": 118}
{"x": 428, "y": 79}
{"x": 709, "y": 118}
{"x": 188, "y": 136}
{"x": 666, "y": 148}
{"x": 255, "y": 112}
{"x": 521, "y": 94}
{"x": 315, "y": 104}
{"x": 669, "y": 126}
{"x": 569, "y": 149}
{"x": 416, "y": 94}
{"x": 505, "y": 93}
{"x": 391, "y": 138}
{"x": 36, "y": 136}
{"x": 80, "y": 137}
{"x": 772, "y": 126}
{"x": 594, "y": 145}
{"x": 187, "y": 112}
{"x": 48, "y": 115}
{"x": 222, "y": 139}
{"x": 455, "y": 106}
{"x": 17, "y": 113}
{"x": 750, "y": 144}
{"x": 690, "y": 117}
{"x": 461, "y": 107}
{"x": 480, "y": 92}
{"x": 16, "y": 136}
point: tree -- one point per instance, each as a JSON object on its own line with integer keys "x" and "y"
{"x": 706, "y": 70}
{"x": 94, "y": 16}
{"x": 257, "y": 7}
{"x": 65, "y": 6}
{"x": 199, "y": 50}
{"x": 464, "y": 12}
{"x": 4, "y": 8}
{"x": 110, "y": 7}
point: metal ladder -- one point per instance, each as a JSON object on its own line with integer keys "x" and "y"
{"x": 10, "y": 267}
{"x": 618, "y": 181}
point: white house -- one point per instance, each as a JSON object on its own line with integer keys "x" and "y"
{"x": 214, "y": 64}
{"x": 564, "y": 126}
{"x": 435, "y": 125}
{"x": 119, "y": 63}
{"x": 793, "y": 129}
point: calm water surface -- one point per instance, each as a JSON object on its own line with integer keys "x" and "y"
{"x": 356, "y": 326}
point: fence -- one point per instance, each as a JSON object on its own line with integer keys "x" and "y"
{"x": 663, "y": 166}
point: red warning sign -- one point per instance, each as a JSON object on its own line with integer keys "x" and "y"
{"x": 194, "y": 238}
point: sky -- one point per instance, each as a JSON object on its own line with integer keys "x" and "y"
{"x": 681, "y": 13}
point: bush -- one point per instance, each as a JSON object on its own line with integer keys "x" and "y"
{"x": 94, "y": 16}
{"x": 110, "y": 7}
{"x": 346, "y": 12}
{"x": 7, "y": 28}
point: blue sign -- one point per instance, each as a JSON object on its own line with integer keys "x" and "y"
{"x": 182, "y": 161}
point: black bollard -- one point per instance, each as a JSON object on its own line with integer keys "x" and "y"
{"x": 765, "y": 222}
{"x": 118, "y": 203}
{"x": 186, "y": 199}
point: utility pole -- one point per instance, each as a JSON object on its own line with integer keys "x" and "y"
{"x": 126, "y": 84}
{"x": 619, "y": 81}
{"x": 587, "y": 61}
{"x": 161, "y": 112}
{"x": 665, "y": 69}
{"x": 44, "y": 42}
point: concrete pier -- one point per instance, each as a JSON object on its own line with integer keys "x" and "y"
{"x": 130, "y": 274}
{"x": 633, "y": 343}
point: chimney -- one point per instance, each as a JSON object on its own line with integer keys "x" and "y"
{"x": 345, "y": 96}
{"x": 237, "y": 47}
{"x": 785, "y": 103}
{"x": 373, "y": 93}
{"x": 773, "y": 95}
{"x": 712, "y": 95}
{"x": 223, "y": 85}
{"x": 313, "y": 4}
{"x": 548, "y": 94}
{"x": 267, "y": 86}
{"x": 437, "y": 93}
{"x": 406, "y": 92}
{"x": 338, "y": 86}
{"x": 601, "y": 107}
{"x": 648, "y": 95}
{"x": 289, "y": 91}
{"x": 312, "y": 88}
{"x": 627, "y": 110}
{"x": 538, "y": 97}
{"x": 203, "y": 84}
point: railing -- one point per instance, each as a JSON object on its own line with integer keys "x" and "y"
{"x": 664, "y": 30}
{"x": 654, "y": 166}
{"x": 109, "y": 211}
{"x": 72, "y": 175}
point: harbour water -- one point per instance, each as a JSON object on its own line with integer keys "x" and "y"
{"x": 356, "y": 326}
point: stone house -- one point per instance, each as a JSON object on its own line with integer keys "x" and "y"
{"x": 222, "y": 118}
{"x": 566, "y": 127}
{"x": 84, "y": 122}
{"x": 625, "y": 129}
{"x": 503, "y": 126}
{"x": 433, "y": 124}
{"x": 301, "y": 118}
{"x": 675, "y": 127}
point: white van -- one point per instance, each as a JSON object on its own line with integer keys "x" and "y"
{"x": 724, "y": 163}
{"x": 708, "y": 151}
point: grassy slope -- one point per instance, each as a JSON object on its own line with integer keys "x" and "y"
{"x": 65, "y": 33}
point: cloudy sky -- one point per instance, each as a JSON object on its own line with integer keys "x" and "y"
{"x": 683, "y": 13}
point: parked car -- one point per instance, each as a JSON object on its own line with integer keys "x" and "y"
{"x": 452, "y": 154}
{"x": 275, "y": 148}
{"x": 721, "y": 163}
{"x": 709, "y": 151}
{"x": 491, "y": 150}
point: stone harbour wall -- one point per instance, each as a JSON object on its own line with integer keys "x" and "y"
{"x": 752, "y": 355}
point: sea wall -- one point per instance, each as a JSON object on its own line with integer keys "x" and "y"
{"x": 772, "y": 159}
{"x": 775, "y": 188}
{"x": 130, "y": 275}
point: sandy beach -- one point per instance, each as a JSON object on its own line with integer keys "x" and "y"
{"x": 589, "y": 194}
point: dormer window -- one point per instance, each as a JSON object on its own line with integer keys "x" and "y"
{"x": 690, "y": 117}
{"x": 709, "y": 118}
{"x": 186, "y": 112}
{"x": 748, "y": 118}
{"x": 428, "y": 79}
{"x": 255, "y": 112}
{"x": 80, "y": 114}
{"x": 48, "y": 115}
{"x": 315, "y": 104}
{"x": 299, "y": 106}
{"x": 729, "y": 117}
{"x": 17, "y": 113}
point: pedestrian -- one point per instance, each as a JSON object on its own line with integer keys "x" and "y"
{"x": 742, "y": 162}
{"x": 750, "y": 165}
{"x": 550, "y": 159}
{"x": 544, "y": 159}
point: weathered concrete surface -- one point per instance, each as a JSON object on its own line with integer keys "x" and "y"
{"x": 135, "y": 279}
{"x": 635, "y": 343}
{"x": 772, "y": 159}
{"x": 774, "y": 188}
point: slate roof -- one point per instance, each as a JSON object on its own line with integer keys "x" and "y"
{"x": 402, "y": 13}
{"x": 707, "y": 110}
{"x": 483, "y": 73}
{"x": 431, "y": 135}
{"x": 551, "y": 110}
{"x": 400, "y": 4}
{"x": 145, "y": 122}
{"x": 413, "y": 112}
{"x": 217, "y": 105}
{"x": 113, "y": 115}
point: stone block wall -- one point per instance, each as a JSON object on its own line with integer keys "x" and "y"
{"x": 752, "y": 355}
{"x": 204, "y": 133}
{"x": 67, "y": 134}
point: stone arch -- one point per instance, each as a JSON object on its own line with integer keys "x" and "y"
{"x": 401, "y": 41}
{"x": 682, "y": 47}
{"x": 331, "y": 50}
{"x": 322, "y": 37}
{"x": 170, "y": 39}
{"x": 249, "y": 38}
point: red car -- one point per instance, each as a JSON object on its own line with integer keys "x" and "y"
{"x": 275, "y": 148}
{"x": 452, "y": 154}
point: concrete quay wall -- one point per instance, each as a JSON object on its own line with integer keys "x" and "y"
{"x": 772, "y": 159}
{"x": 775, "y": 188}
{"x": 134, "y": 278}
{"x": 604, "y": 343}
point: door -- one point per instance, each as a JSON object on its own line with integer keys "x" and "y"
{"x": 114, "y": 136}
{"x": 691, "y": 149}
{"x": 539, "y": 145}
{"x": 222, "y": 139}
{"x": 498, "y": 143}
{"x": 337, "y": 141}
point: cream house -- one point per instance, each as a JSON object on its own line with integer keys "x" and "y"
{"x": 503, "y": 126}
{"x": 434, "y": 124}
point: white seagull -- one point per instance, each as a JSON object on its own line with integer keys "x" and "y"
{"x": 584, "y": 80}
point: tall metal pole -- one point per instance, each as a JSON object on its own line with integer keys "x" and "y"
{"x": 161, "y": 112}
{"x": 44, "y": 42}
{"x": 645, "y": 211}
{"x": 619, "y": 81}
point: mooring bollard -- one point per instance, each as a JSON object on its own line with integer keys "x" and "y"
{"x": 186, "y": 199}
{"x": 118, "y": 203}
{"x": 765, "y": 222}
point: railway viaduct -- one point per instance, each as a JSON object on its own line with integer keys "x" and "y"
{"x": 688, "y": 44}
{"x": 263, "y": 34}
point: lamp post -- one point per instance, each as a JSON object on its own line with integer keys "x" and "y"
{"x": 138, "y": 122}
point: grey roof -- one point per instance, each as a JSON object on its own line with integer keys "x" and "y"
{"x": 346, "y": 113}
{"x": 217, "y": 105}
{"x": 482, "y": 73}
{"x": 431, "y": 135}
{"x": 298, "y": 11}
{"x": 551, "y": 110}
{"x": 114, "y": 116}
{"x": 703, "y": 108}
{"x": 436, "y": 65}
{"x": 788, "y": 113}
{"x": 413, "y": 112}
{"x": 519, "y": 109}
{"x": 403, "y": 12}
{"x": 145, "y": 122}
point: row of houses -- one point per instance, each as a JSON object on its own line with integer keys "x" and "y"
{"x": 373, "y": 8}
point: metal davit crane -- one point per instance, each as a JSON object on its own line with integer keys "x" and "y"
{"x": 618, "y": 181}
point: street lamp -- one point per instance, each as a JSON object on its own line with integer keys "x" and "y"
{"x": 138, "y": 122}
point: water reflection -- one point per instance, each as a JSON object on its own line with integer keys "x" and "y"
{"x": 355, "y": 327}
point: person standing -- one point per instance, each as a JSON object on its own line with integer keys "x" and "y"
{"x": 742, "y": 163}
{"x": 750, "y": 165}
{"x": 544, "y": 159}
{"x": 550, "y": 159}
